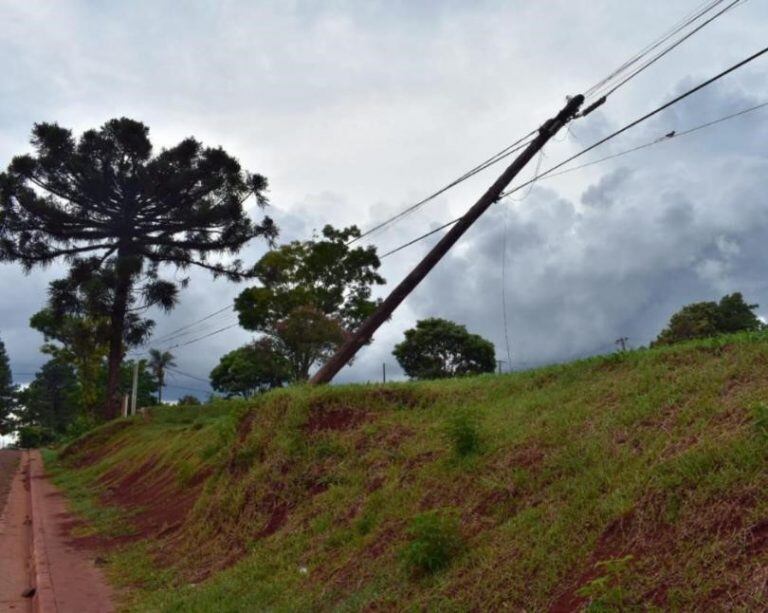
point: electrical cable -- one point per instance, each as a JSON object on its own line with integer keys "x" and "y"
{"x": 176, "y": 371}
{"x": 507, "y": 151}
{"x": 661, "y": 139}
{"x": 592, "y": 92}
{"x": 665, "y": 51}
{"x": 681, "y": 25}
{"x": 614, "y": 134}
{"x": 166, "y": 336}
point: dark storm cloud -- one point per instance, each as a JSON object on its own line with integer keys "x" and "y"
{"x": 688, "y": 223}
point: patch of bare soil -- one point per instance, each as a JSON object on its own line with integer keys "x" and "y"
{"x": 324, "y": 418}
{"x": 9, "y": 461}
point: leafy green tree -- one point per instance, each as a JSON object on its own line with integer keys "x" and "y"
{"x": 306, "y": 337}
{"x": 735, "y": 315}
{"x": 159, "y": 361}
{"x": 117, "y": 213}
{"x": 320, "y": 288}
{"x": 251, "y": 369}
{"x": 438, "y": 348}
{"x": 188, "y": 400}
{"x": 7, "y": 392}
{"x": 706, "y": 319}
{"x": 52, "y": 400}
{"x": 79, "y": 341}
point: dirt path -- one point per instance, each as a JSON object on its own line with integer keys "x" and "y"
{"x": 16, "y": 572}
{"x": 35, "y": 549}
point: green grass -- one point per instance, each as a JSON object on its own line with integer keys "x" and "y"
{"x": 631, "y": 481}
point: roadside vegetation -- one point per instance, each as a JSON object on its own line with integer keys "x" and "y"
{"x": 636, "y": 480}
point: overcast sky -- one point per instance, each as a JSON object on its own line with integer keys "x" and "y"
{"x": 353, "y": 110}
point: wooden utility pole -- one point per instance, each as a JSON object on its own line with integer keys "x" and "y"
{"x": 363, "y": 334}
{"x": 135, "y": 387}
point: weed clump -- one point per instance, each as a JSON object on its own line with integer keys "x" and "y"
{"x": 434, "y": 542}
{"x": 464, "y": 433}
{"x": 760, "y": 419}
{"x": 605, "y": 593}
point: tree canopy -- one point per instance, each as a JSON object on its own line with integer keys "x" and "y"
{"x": 253, "y": 368}
{"x": 311, "y": 294}
{"x": 705, "y": 319}
{"x": 117, "y": 213}
{"x": 51, "y": 401}
{"x": 7, "y": 392}
{"x": 438, "y": 348}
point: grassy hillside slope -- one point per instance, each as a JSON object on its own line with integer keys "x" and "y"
{"x": 633, "y": 479}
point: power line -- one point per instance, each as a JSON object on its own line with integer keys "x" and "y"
{"x": 678, "y": 27}
{"x": 506, "y": 152}
{"x": 176, "y": 371}
{"x": 193, "y": 330}
{"x": 687, "y": 21}
{"x": 185, "y": 387}
{"x": 628, "y": 126}
{"x": 173, "y": 333}
{"x": 645, "y": 117}
{"x": 661, "y": 139}
{"x": 194, "y": 340}
{"x": 664, "y": 52}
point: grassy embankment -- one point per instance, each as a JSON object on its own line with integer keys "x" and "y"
{"x": 634, "y": 479}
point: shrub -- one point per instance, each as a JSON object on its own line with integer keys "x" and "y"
{"x": 82, "y": 423}
{"x": 464, "y": 433}
{"x": 760, "y": 418}
{"x": 35, "y": 436}
{"x": 434, "y": 542}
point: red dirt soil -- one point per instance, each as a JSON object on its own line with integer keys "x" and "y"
{"x": 15, "y": 534}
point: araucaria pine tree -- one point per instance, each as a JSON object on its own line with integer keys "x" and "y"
{"x": 7, "y": 391}
{"x": 112, "y": 209}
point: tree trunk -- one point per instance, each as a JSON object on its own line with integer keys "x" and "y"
{"x": 117, "y": 331}
{"x": 160, "y": 381}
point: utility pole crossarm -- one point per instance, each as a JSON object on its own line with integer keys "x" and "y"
{"x": 364, "y": 333}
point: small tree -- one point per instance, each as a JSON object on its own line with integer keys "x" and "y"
{"x": 158, "y": 362}
{"x": 188, "y": 400}
{"x": 437, "y": 348}
{"x": 311, "y": 294}
{"x": 52, "y": 399}
{"x": 251, "y": 369}
{"x": 706, "y": 319}
{"x": 108, "y": 206}
{"x": 7, "y": 392}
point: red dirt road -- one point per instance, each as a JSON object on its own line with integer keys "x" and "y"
{"x": 35, "y": 550}
{"x": 15, "y": 533}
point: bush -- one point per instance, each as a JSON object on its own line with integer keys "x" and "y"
{"x": 82, "y": 423}
{"x": 760, "y": 418}
{"x": 464, "y": 433}
{"x": 434, "y": 542}
{"x": 35, "y": 436}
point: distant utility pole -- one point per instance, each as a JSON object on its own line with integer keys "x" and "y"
{"x": 622, "y": 343}
{"x": 135, "y": 387}
{"x": 499, "y": 363}
{"x": 384, "y": 372}
{"x": 364, "y": 333}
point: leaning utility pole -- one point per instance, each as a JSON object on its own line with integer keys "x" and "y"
{"x": 363, "y": 334}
